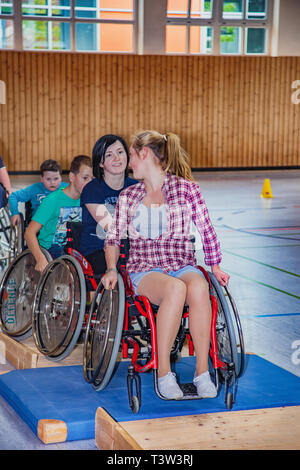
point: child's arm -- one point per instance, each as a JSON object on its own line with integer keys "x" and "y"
{"x": 112, "y": 254}
{"x": 22, "y": 195}
{"x": 15, "y": 219}
{"x": 33, "y": 245}
{"x": 4, "y": 179}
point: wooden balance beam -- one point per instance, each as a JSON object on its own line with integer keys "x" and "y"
{"x": 267, "y": 429}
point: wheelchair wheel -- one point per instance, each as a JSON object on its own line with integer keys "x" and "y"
{"x": 103, "y": 335}
{"x": 5, "y": 239}
{"x": 17, "y": 291}
{"x": 59, "y": 307}
{"x": 16, "y": 240}
{"x": 230, "y": 343}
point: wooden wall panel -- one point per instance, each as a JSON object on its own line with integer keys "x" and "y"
{"x": 228, "y": 111}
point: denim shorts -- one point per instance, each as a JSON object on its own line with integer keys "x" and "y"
{"x": 138, "y": 276}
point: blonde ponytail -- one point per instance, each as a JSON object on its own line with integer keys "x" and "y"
{"x": 177, "y": 158}
{"x": 167, "y": 148}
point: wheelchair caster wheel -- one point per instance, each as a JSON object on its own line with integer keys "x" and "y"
{"x": 133, "y": 378}
{"x": 229, "y": 401}
{"x": 135, "y": 404}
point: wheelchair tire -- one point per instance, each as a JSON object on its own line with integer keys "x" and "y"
{"x": 5, "y": 239}
{"x": 135, "y": 404}
{"x": 17, "y": 289}
{"x": 230, "y": 344}
{"x": 59, "y": 308}
{"x": 238, "y": 332}
{"x": 103, "y": 335}
{"x": 16, "y": 239}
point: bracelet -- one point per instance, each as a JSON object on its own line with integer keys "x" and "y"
{"x": 111, "y": 269}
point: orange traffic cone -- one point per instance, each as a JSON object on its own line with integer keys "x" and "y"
{"x": 266, "y": 190}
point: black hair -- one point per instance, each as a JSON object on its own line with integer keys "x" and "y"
{"x": 99, "y": 150}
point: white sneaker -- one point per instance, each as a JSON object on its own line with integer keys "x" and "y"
{"x": 205, "y": 387}
{"x": 168, "y": 387}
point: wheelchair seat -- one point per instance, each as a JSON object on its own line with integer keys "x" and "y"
{"x": 74, "y": 230}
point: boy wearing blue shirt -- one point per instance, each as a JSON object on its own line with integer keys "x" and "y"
{"x": 51, "y": 180}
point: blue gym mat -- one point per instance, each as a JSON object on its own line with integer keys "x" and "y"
{"x": 61, "y": 393}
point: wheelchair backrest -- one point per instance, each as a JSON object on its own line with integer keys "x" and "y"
{"x": 74, "y": 230}
{"x": 28, "y": 213}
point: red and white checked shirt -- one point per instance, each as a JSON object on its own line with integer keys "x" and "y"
{"x": 173, "y": 249}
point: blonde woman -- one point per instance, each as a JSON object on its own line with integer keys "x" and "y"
{"x": 157, "y": 213}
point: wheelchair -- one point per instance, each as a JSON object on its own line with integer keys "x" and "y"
{"x": 19, "y": 279}
{"x": 117, "y": 326}
{"x": 121, "y": 325}
{"x": 17, "y": 290}
{"x": 11, "y": 239}
{"x": 49, "y": 306}
{"x": 10, "y": 236}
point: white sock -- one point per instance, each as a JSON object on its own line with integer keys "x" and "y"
{"x": 205, "y": 387}
{"x": 169, "y": 387}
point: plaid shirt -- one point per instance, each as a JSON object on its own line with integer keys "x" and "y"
{"x": 173, "y": 249}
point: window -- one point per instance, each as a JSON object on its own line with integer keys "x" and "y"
{"x": 6, "y": 25}
{"x": 231, "y": 40}
{"x": 217, "y": 26}
{"x": 246, "y": 27}
{"x": 69, "y": 25}
{"x": 189, "y": 9}
{"x": 187, "y": 29}
{"x": 199, "y": 27}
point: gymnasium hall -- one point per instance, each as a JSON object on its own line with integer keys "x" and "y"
{"x": 223, "y": 76}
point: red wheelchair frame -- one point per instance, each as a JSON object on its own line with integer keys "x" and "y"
{"x": 145, "y": 309}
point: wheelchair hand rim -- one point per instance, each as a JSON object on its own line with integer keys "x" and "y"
{"x": 61, "y": 350}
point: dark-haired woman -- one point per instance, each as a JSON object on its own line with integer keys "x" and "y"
{"x": 110, "y": 160}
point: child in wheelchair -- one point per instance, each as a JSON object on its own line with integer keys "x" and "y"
{"x": 50, "y": 175}
{"x": 48, "y": 228}
{"x": 157, "y": 214}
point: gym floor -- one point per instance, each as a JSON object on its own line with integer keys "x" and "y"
{"x": 260, "y": 239}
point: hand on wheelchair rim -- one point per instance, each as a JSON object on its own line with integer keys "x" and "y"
{"x": 109, "y": 279}
{"x": 41, "y": 264}
{"x": 221, "y": 276}
{"x": 15, "y": 220}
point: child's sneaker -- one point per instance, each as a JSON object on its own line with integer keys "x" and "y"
{"x": 168, "y": 387}
{"x": 205, "y": 387}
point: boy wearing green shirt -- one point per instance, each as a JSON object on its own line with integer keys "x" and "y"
{"x": 47, "y": 228}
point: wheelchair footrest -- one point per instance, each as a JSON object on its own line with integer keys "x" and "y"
{"x": 189, "y": 391}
